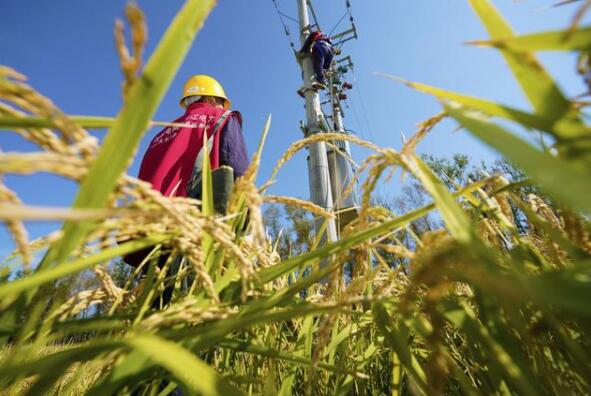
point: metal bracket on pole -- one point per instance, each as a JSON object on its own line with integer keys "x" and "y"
{"x": 304, "y": 128}
{"x": 347, "y": 60}
{"x": 345, "y": 36}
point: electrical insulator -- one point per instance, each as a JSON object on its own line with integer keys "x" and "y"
{"x": 342, "y": 96}
{"x": 347, "y": 85}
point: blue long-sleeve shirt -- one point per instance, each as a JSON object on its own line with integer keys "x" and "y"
{"x": 233, "y": 151}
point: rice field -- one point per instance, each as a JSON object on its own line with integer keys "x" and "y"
{"x": 480, "y": 306}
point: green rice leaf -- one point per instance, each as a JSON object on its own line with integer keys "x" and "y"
{"x": 565, "y": 291}
{"x": 269, "y": 274}
{"x": 131, "y": 123}
{"x": 86, "y": 122}
{"x": 283, "y": 356}
{"x": 396, "y": 336}
{"x": 51, "y": 367}
{"x": 129, "y": 370}
{"x": 542, "y": 92}
{"x": 505, "y": 357}
{"x": 207, "y": 205}
{"x": 560, "y": 178}
{"x": 191, "y": 372}
{"x": 12, "y": 289}
{"x": 565, "y": 128}
{"x": 560, "y": 40}
{"x": 456, "y": 221}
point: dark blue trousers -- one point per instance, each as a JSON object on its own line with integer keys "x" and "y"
{"x": 322, "y": 55}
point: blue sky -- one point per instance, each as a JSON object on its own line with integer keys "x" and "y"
{"x": 66, "y": 49}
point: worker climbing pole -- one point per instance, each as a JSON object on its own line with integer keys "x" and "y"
{"x": 320, "y": 188}
{"x": 329, "y": 165}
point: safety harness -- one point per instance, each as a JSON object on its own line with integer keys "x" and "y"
{"x": 198, "y": 165}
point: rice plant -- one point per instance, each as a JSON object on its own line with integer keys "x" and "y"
{"x": 479, "y": 306}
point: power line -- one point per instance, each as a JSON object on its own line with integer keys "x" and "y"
{"x": 309, "y": 3}
{"x": 349, "y": 9}
{"x": 288, "y": 17}
{"x": 285, "y": 27}
{"x": 362, "y": 103}
{"x": 348, "y": 5}
{"x": 337, "y": 24}
{"x": 360, "y": 128}
{"x": 349, "y": 13}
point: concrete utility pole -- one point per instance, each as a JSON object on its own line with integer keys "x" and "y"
{"x": 320, "y": 188}
{"x": 341, "y": 173}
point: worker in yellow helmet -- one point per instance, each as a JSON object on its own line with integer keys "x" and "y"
{"x": 173, "y": 160}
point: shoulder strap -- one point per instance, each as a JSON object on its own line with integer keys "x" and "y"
{"x": 196, "y": 174}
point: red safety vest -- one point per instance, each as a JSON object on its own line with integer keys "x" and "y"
{"x": 168, "y": 163}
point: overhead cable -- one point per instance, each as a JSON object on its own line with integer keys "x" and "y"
{"x": 285, "y": 27}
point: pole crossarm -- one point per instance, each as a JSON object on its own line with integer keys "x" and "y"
{"x": 347, "y": 60}
{"x": 341, "y": 38}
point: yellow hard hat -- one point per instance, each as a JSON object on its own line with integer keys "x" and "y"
{"x": 202, "y": 85}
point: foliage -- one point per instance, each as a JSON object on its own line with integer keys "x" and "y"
{"x": 292, "y": 229}
{"x": 485, "y": 307}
